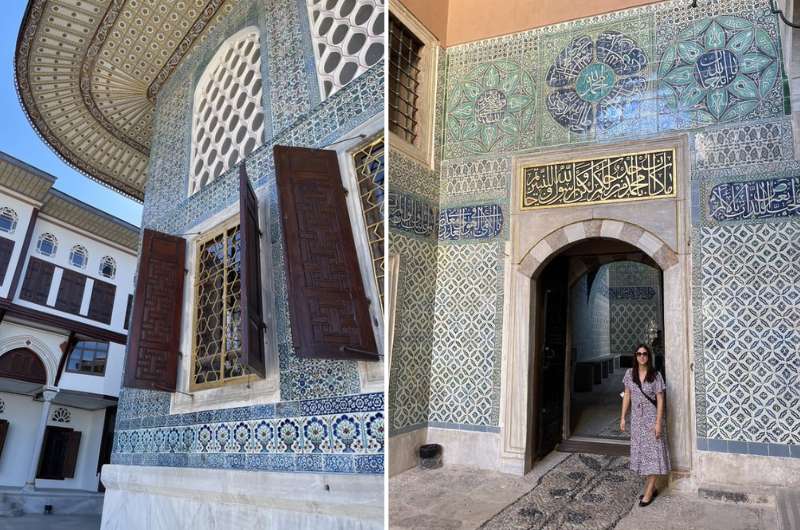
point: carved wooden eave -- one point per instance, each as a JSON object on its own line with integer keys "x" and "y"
{"x": 88, "y": 73}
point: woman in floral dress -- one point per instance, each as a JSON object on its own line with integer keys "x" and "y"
{"x": 644, "y": 395}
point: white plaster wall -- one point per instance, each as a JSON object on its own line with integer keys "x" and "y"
{"x": 67, "y": 238}
{"x": 164, "y": 498}
{"x": 24, "y": 211}
{"x": 22, "y": 414}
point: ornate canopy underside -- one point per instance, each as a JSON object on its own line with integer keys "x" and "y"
{"x": 88, "y": 73}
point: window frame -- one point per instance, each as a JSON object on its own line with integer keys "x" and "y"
{"x": 74, "y": 252}
{"x": 12, "y": 215}
{"x": 219, "y": 229}
{"x": 53, "y": 240}
{"x": 112, "y": 262}
{"x": 422, "y": 149}
{"x": 82, "y": 372}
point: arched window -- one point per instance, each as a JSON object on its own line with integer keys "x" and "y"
{"x": 228, "y": 119}
{"x": 47, "y": 244}
{"x": 108, "y": 267}
{"x": 8, "y": 220}
{"x": 79, "y": 256}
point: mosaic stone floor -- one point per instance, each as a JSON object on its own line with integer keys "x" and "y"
{"x": 583, "y": 492}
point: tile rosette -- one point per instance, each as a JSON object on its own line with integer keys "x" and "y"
{"x": 719, "y": 69}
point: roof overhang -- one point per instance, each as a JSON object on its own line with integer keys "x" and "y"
{"x": 88, "y": 77}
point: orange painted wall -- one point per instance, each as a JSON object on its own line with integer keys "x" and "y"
{"x": 460, "y": 21}
{"x": 431, "y": 13}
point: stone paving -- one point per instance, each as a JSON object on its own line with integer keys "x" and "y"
{"x": 51, "y": 522}
{"x": 563, "y": 492}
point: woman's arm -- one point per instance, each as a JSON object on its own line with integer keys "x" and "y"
{"x": 626, "y": 402}
{"x": 659, "y": 413}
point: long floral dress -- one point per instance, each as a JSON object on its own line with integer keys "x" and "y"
{"x": 649, "y": 456}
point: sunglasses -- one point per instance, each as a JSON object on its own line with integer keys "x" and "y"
{"x": 642, "y": 354}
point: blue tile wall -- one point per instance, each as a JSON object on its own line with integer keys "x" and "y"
{"x": 297, "y": 117}
{"x": 714, "y": 73}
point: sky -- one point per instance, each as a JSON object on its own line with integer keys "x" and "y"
{"x": 19, "y": 139}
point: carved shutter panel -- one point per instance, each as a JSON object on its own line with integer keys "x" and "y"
{"x": 155, "y": 328}
{"x": 328, "y": 308}
{"x": 101, "y": 304}
{"x": 73, "y": 443}
{"x": 70, "y": 292}
{"x": 252, "y": 313}
{"x": 6, "y": 248}
{"x": 3, "y": 433}
{"x": 128, "y": 309}
{"x": 36, "y": 285}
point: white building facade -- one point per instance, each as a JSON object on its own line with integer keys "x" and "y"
{"x": 67, "y": 278}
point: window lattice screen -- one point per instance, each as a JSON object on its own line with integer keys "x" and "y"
{"x": 404, "y": 59}
{"x": 217, "y": 325}
{"x": 348, "y": 39}
{"x": 228, "y": 119}
{"x": 368, "y": 162}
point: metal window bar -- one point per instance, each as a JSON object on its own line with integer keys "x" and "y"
{"x": 368, "y": 161}
{"x": 217, "y": 316}
{"x": 404, "y": 59}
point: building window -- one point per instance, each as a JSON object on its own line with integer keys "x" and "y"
{"x": 108, "y": 267}
{"x": 78, "y": 256}
{"x": 47, "y": 244}
{"x": 413, "y": 52}
{"x": 88, "y": 357}
{"x": 348, "y": 39}
{"x": 404, "y": 62}
{"x": 217, "y": 319}
{"x": 368, "y": 162}
{"x": 228, "y": 119}
{"x": 8, "y": 220}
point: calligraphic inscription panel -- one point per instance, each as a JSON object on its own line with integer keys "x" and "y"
{"x": 629, "y": 177}
{"x": 759, "y": 199}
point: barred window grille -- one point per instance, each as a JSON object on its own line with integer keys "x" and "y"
{"x": 47, "y": 244}
{"x": 404, "y": 62}
{"x": 79, "y": 256}
{"x": 108, "y": 267}
{"x": 368, "y": 161}
{"x": 218, "y": 310}
{"x": 8, "y": 220}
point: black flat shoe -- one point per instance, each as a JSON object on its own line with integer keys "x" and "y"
{"x": 643, "y": 504}
{"x": 655, "y": 494}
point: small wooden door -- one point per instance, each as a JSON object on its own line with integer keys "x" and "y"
{"x": 550, "y": 413}
{"x": 59, "y": 453}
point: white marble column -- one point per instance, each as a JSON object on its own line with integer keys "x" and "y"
{"x": 47, "y": 394}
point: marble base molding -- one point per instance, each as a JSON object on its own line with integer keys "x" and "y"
{"x": 461, "y": 447}
{"x": 161, "y": 498}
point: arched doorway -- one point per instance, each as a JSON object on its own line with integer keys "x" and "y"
{"x": 597, "y": 299}
{"x": 22, "y": 371}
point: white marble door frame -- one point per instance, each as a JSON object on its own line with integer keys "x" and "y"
{"x": 659, "y": 227}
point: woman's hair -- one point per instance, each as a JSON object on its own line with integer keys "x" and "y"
{"x": 651, "y": 371}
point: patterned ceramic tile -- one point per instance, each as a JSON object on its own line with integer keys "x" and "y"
{"x": 411, "y": 215}
{"x": 467, "y": 341}
{"x": 597, "y": 77}
{"x": 470, "y": 222}
{"x": 465, "y": 181}
{"x": 750, "y": 290}
{"x": 409, "y": 176}
{"x": 409, "y": 376}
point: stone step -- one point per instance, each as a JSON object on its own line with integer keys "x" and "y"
{"x": 788, "y": 504}
{"x": 10, "y": 506}
{"x": 18, "y": 503}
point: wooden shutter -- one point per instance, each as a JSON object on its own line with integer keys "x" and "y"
{"x": 128, "y": 312}
{"x": 36, "y": 285}
{"x": 155, "y": 329}
{"x": 70, "y": 292}
{"x": 3, "y": 433}
{"x": 73, "y": 443}
{"x": 101, "y": 304}
{"x": 252, "y": 353}
{"x": 6, "y": 248}
{"x": 328, "y": 308}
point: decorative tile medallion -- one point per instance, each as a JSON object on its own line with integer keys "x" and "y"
{"x": 470, "y": 222}
{"x": 594, "y": 80}
{"x": 755, "y": 199}
{"x": 719, "y": 69}
{"x": 411, "y": 214}
{"x": 491, "y": 107}
{"x": 649, "y": 175}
